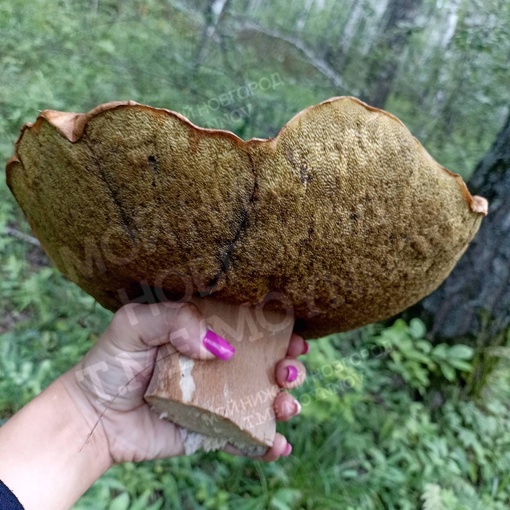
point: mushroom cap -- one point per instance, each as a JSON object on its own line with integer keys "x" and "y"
{"x": 342, "y": 218}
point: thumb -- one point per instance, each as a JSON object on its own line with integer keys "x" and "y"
{"x": 136, "y": 327}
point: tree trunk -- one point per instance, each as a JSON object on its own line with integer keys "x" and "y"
{"x": 396, "y": 33}
{"x": 451, "y": 24}
{"x": 474, "y": 302}
{"x": 374, "y": 28}
{"x": 303, "y": 18}
{"x": 213, "y": 12}
{"x": 349, "y": 31}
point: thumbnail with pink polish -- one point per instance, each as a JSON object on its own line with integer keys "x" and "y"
{"x": 218, "y": 346}
{"x": 292, "y": 373}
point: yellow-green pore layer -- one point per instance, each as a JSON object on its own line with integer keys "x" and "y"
{"x": 343, "y": 218}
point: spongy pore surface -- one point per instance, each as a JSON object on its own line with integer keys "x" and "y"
{"x": 343, "y": 216}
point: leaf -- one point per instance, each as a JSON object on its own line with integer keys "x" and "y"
{"x": 461, "y": 365}
{"x": 417, "y": 328}
{"x": 418, "y": 356}
{"x": 448, "y": 371}
{"x": 440, "y": 351}
{"x": 141, "y": 502}
{"x": 424, "y": 346}
{"x": 431, "y": 497}
{"x": 285, "y": 499}
{"x": 121, "y": 502}
{"x": 107, "y": 46}
{"x": 461, "y": 351}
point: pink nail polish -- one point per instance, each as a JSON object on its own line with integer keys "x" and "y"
{"x": 218, "y": 346}
{"x": 288, "y": 450}
{"x": 292, "y": 373}
{"x": 307, "y": 348}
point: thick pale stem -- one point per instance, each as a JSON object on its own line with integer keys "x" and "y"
{"x": 226, "y": 401}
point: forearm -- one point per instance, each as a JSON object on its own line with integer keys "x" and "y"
{"x": 46, "y": 455}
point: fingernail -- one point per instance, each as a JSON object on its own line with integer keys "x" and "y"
{"x": 307, "y": 348}
{"x": 292, "y": 373}
{"x": 218, "y": 346}
{"x": 297, "y": 408}
{"x": 288, "y": 450}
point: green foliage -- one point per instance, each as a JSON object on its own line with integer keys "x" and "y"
{"x": 49, "y": 325}
{"x": 394, "y": 441}
{"x": 416, "y": 359}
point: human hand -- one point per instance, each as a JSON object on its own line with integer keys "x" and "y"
{"x": 112, "y": 379}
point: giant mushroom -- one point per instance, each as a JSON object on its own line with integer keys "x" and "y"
{"x": 340, "y": 220}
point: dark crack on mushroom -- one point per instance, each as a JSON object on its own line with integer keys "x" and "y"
{"x": 124, "y": 217}
{"x": 242, "y": 224}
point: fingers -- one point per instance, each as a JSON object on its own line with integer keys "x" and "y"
{"x": 280, "y": 448}
{"x": 290, "y": 373}
{"x": 137, "y": 327}
{"x": 286, "y": 406}
{"x": 297, "y": 346}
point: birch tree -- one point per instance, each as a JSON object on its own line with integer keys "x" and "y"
{"x": 397, "y": 30}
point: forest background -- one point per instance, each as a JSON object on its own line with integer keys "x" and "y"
{"x": 412, "y": 413}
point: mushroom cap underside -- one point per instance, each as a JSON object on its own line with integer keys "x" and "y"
{"x": 342, "y": 219}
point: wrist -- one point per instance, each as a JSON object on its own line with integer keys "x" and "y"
{"x": 87, "y": 420}
{"x": 48, "y": 456}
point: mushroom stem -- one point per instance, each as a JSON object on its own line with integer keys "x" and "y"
{"x": 225, "y": 402}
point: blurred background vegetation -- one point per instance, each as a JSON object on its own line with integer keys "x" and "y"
{"x": 413, "y": 413}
